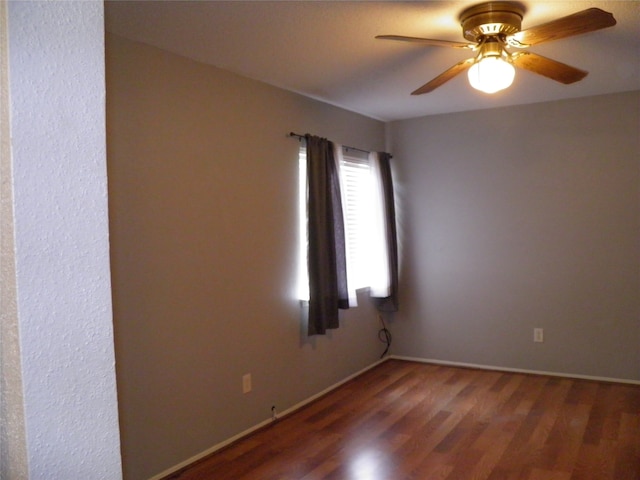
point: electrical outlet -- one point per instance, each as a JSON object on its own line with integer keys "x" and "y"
{"x": 538, "y": 335}
{"x": 246, "y": 383}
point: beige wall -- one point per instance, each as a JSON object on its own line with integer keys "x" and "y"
{"x": 203, "y": 200}
{"x": 517, "y": 218}
{"x": 509, "y": 219}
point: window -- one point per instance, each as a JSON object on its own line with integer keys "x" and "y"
{"x": 303, "y": 277}
{"x": 357, "y": 196}
{"x": 367, "y": 261}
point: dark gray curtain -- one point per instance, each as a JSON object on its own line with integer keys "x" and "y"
{"x": 326, "y": 252}
{"x": 390, "y": 303}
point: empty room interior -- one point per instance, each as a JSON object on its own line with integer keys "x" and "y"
{"x": 517, "y": 220}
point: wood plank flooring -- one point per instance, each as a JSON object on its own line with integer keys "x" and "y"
{"x": 412, "y": 421}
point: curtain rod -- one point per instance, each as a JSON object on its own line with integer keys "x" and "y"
{"x": 301, "y": 137}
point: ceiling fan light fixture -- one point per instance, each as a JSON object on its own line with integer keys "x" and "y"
{"x": 492, "y": 71}
{"x": 491, "y": 74}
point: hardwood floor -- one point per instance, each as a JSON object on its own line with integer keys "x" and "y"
{"x": 412, "y": 421}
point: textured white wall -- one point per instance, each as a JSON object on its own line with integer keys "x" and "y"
{"x": 56, "y": 60}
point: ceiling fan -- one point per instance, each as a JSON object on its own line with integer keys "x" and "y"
{"x": 495, "y": 28}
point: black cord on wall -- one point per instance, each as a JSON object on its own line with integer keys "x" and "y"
{"x": 384, "y": 336}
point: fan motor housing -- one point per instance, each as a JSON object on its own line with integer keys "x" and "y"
{"x": 491, "y": 19}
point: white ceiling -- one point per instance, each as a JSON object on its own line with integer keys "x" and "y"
{"x": 326, "y": 49}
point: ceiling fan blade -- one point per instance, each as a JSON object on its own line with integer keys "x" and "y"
{"x": 428, "y": 41}
{"x": 444, "y": 77}
{"x": 552, "y": 69}
{"x": 586, "y": 21}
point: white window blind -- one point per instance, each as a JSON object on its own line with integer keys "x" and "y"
{"x": 303, "y": 273}
{"x": 355, "y": 176}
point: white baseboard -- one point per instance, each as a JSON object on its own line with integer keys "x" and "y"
{"x": 515, "y": 370}
{"x": 264, "y": 423}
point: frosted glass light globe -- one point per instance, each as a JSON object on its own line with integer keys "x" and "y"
{"x": 491, "y": 74}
